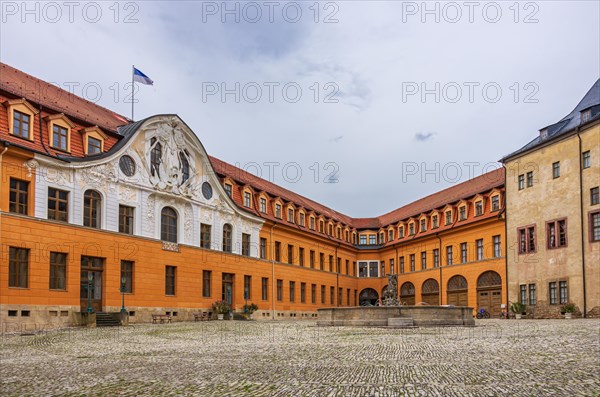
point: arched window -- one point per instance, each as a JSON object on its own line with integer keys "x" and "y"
{"x": 184, "y": 165}
{"x": 227, "y": 237}
{"x": 168, "y": 225}
{"x": 155, "y": 157}
{"x": 92, "y": 203}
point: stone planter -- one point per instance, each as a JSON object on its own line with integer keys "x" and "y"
{"x": 568, "y": 316}
{"x": 518, "y": 316}
{"x": 220, "y": 316}
{"x": 251, "y": 316}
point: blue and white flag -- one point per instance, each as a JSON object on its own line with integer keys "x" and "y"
{"x": 141, "y": 77}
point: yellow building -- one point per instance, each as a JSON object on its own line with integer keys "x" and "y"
{"x": 553, "y": 221}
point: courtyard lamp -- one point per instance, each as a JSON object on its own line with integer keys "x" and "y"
{"x": 89, "y": 291}
{"x": 123, "y": 310}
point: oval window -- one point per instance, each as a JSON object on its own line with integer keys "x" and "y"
{"x": 207, "y": 191}
{"x": 127, "y": 165}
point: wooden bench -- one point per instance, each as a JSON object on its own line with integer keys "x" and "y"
{"x": 202, "y": 316}
{"x": 160, "y": 318}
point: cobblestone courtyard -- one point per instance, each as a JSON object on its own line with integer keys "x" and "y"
{"x": 495, "y": 358}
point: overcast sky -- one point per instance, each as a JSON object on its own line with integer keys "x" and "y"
{"x": 331, "y": 89}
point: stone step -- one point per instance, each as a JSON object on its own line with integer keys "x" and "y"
{"x": 401, "y": 322}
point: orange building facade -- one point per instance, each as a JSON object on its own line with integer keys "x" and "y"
{"x": 93, "y": 204}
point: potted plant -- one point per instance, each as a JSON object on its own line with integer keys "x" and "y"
{"x": 250, "y": 309}
{"x": 221, "y": 308}
{"x": 518, "y": 309}
{"x": 568, "y": 309}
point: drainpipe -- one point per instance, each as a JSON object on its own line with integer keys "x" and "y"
{"x": 41, "y": 133}
{"x": 273, "y": 281}
{"x": 6, "y": 145}
{"x": 505, "y": 235}
{"x": 437, "y": 234}
{"x": 337, "y": 276}
{"x": 581, "y": 223}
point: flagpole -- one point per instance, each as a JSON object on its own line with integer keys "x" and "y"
{"x": 132, "y": 90}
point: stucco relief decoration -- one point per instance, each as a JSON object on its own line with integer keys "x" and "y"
{"x": 100, "y": 176}
{"x": 58, "y": 176}
{"x": 150, "y": 209}
{"x": 170, "y": 175}
{"x": 31, "y": 165}
{"x": 127, "y": 194}
{"x": 188, "y": 223}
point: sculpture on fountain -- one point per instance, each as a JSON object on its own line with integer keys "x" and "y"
{"x": 390, "y": 295}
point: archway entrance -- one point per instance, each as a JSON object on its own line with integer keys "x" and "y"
{"x": 458, "y": 291}
{"x": 368, "y": 297}
{"x": 489, "y": 293}
{"x": 407, "y": 293}
{"x": 430, "y": 292}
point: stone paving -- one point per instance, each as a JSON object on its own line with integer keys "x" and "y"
{"x": 227, "y": 358}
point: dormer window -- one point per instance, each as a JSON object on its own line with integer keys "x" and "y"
{"x": 478, "y": 208}
{"x": 60, "y": 138}
{"x": 278, "y": 211}
{"x": 290, "y": 215}
{"x": 228, "y": 188}
{"x": 586, "y": 115}
{"x": 312, "y": 223}
{"x": 495, "y": 203}
{"x": 60, "y": 127}
{"x": 330, "y": 229}
{"x": 462, "y": 212}
{"x": 363, "y": 239}
{"x": 20, "y": 118}
{"x": 263, "y": 205}
{"x": 423, "y": 225}
{"x": 94, "y": 138}
{"x": 301, "y": 219}
{"x": 347, "y": 236}
{"x": 401, "y": 232}
{"x": 339, "y": 232}
{"x": 247, "y": 199}
{"x": 381, "y": 238}
{"x": 390, "y": 235}
{"x": 411, "y": 229}
{"x": 448, "y": 217}
{"x": 544, "y": 133}
{"x": 372, "y": 239}
{"x": 434, "y": 222}
{"x": 321, "y": 226}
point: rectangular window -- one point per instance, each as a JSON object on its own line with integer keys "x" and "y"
{"x": 463, "y": 253}
{"x": 478, "y": 208}
{"x": 496, "y": 203}
{"x": 556, "y": 170}
{"x": 586, "y": 159}
{"x": 390, "y": 235}
{"x": 58, "y": 203}
{"x": 497, "y": 246}
{"x": 401, "y": 232}
{"x": 332, "y": 295}
{"x": 263, "y": 248}
{"x": 263, "y": 205}
{"x": 562, "y": 292}
{"x": 595, "y": 226}
{"x": 125, "y": 219}
{"x": 301, "y": 256}
{"x": 290, "y": 254}
{"x": 292, "y": 291}
{"x": 60, "y": 137}
{"x": 449, "y": 255}
{"x": 322, "y": 261}
{"x": 206, "y": 283}
{"x": 279, "y": 290}
{"x": 290, "y": 215}
{"x": 247, "y": 287}
{"x": 58, "y": 271}
{"x": 411, "y": 229}
{"x": 527, "y": 240}
{"x": 363, "y": 239}
{"x": 462, "y": 213}
{"x": 448, "y": 217}
{"x": 423, "y": 260}
{"x": 556, "y": 234}
{"x": 322, "y": 294}
{"x": 312, "y": 259}
{"x": 382, "y": 274}
{"x": 594, "y": 195}
{"x": 436, "y": 257}
{"x": 363, "y": 269}
{"x": 423, "y": 225}
{"x": 301, "y": 219}
{"x": 348, "y": 266}
{"x": 205, "y": 233}
{"x": 479, "y": 245}
{"x": 530, "y": 179}
{"x": 247, "y": 199}
{"x": 401, "y": 264}
{"x": 245, "y": 244}
{"x": 331, "y": 263}
{"x": 552, "y": 293}
{"x": 277, "y": 251}
{"x": 312, "y": 223}
{"x": 523, "y": 294}
{"x": 434, "y": 222}
{"x": 313, "y": 293}
{"x": 228, "y": 189}
{"x": 521, "y": 182}
{"x": 94, "y": 145}
{"x": 170, "y": 280}
{"x": 21, "y": 123}
{"x": 18, "y": 196}
{"x": 532, "y": 294}
{"x": 278, "y": 211}
{"x": 18, "y": 267}
{"x": 412, "y": 262}
{"x": 340, "y": 292}
{"x": 321, "y": 227}
{"x": 372, "y": 239}
{"x": 302, "y": 292}
{"x": 338, "y": 269}
{"x": 127, "y": 276}
{"x": 392, "y": 269}
{"x": 265, "y": 288}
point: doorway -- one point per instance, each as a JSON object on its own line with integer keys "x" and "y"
{"x": 227, "y": 288}
{"x": 91, "y": 283}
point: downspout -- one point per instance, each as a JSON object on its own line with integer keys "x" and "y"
{"x": 437, "y": 234}
{"x": 41, "y": 133}
{"x": 581, "y": 223}
{"x": 337, "y": 275}
{"x": 505, "y": 236}
{"x": 272, "y": 274}
{"x": 6, "y": 145}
